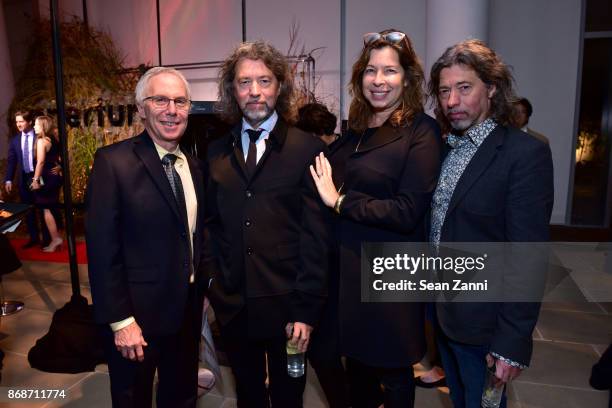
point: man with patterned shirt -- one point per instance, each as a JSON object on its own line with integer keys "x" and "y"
{"x": 496, "y": 185}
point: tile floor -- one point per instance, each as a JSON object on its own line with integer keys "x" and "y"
{"x": 570, "y": 336}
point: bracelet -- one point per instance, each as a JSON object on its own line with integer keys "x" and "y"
{"x": 36, "y": 179}
{"x": 338, "y": 204}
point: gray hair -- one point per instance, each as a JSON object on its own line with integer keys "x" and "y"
{"x": 143, "y": 82}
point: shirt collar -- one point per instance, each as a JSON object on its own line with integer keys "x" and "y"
{"x": 28, "y": 133}
{"x": 476, "y": 134}
{"x": 162, "y": 152}
{"x": 267, "y": 125}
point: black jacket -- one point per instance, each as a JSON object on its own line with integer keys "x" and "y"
{"x": 388, "y": 184}
{"x": 504, "y": 195}
{"x": 136, "y": 240}
{"x": 267, "y": 234}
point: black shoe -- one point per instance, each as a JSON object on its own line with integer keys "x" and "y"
{"x": 30, "y": 244}
{"x": 420, "y": 383}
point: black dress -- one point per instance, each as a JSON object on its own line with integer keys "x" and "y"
{"x": 388, "y": 181}
{"x": 47, "y": 196}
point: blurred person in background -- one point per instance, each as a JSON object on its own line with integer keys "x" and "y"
{"x": 47, "y": 181}
{"x": 318, "y": 120}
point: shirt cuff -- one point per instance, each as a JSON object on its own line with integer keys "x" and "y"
{"x": 121, "y": 324}
{"x": 508, "y": 361}
{"x": 8, "y": 182}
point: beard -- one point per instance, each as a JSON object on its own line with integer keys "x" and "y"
{"x": 461, "y": 125}
{"x": 257, "y": 116}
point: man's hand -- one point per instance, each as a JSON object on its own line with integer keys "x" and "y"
{"x": 504, "y": 371}
{"x": 299, "y": 333}
{"x": 129, "y": 342}
{"x": 56, "y": 170}
{"x": 8, "y": 186}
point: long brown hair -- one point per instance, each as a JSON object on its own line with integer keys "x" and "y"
{"x": 491, "y": 70}
{"x": 227, "y": 106}
{"x": 47, "y": 126}
{"x": 412, "y": 96}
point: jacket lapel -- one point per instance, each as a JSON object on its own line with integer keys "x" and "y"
{"x": 198, "y": 185}
{"x": 482, "y": 159}
{"x": 236, "y": 146}
{"x": 384, "y": 135}
{"x": 145, "y": 150}
{"x": 33, "y": 150}
{"x": 275, "y": 141}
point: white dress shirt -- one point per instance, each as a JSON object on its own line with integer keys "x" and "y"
{"x": 266, "y": 126}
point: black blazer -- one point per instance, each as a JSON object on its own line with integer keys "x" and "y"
{"x": 388, "y": 182}
{"x": 504, "y": 195}
{"x": 267, "y": 235}
{"x": 136, "y": 240}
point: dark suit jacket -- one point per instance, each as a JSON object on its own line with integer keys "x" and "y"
{"x": 266, "y": 235}
{"x": 504, "y": 195}
{"x": 14, "y": 159}
{"x": 136, "y": 241}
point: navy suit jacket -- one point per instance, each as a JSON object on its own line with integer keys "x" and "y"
{"x": 137, "y": 244}
{"x": 504, "y": 195}
{"x": 14, "y": 158}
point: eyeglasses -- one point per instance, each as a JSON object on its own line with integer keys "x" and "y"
{"x": 162, "y": 102}
{"x": 393, "y": 37}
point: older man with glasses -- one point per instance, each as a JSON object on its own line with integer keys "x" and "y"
{"x": 144, "y": 219}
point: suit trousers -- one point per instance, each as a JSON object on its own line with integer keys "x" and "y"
{"x": 332, "y": 377}
{"x": 174, "y": 356}
{"x": 465, "y": 368}
{"x": 32, "y": 218}
{"x": 365, "y": 385}
{"x": 248, "y": 360}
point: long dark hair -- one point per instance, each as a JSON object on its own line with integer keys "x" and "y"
{"x": 412, "y": 97}
{"x": 227, "y": 106}
{"x": 490, "y": 69}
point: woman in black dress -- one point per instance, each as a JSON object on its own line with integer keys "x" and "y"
{"x": 389, "y": 179}
{"x": 47, "y": 181}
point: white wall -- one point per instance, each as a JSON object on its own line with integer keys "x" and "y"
{"x": 133, "y": 26}
{"x": 365, "y": 16}
{"x": 541, "y": 40}
{"x": 319, "y": 26}
{"x": 198, "y": 31}
{"x": 8, "y": 86}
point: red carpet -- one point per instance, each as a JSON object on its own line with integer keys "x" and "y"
{"x": 36, "y": 253}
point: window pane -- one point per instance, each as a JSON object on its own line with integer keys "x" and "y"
{"x": 598, "y": 15}
{"x": 592, "y": 172}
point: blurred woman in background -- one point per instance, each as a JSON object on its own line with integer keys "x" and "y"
{"x": 47, "y": 181}
{"x": 318, "y": 120}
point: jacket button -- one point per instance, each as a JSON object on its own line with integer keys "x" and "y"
{"x": 250, "y": 251}
{"x": 247, "y": 223}
{"x": 249, "y": 193}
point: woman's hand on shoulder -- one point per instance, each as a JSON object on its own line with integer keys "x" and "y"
{"x": 321, "y": 173}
